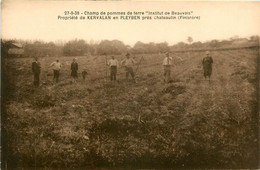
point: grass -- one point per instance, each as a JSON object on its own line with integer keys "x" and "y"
{"x": 94, "y": 123}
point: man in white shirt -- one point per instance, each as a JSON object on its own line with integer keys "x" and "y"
{"x": 128, "y": 63}
{"x": 56, "y": 66}
{"x": 113, "y": 64}
{"x": 167, "y": 63}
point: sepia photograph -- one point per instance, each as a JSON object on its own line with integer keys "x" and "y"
{"x": 130, "y": 84}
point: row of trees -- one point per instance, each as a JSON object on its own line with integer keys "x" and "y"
{"x": 42, "y": 49}
{"x": 81, "y": 47}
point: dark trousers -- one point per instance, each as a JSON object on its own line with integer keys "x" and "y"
{"x": 74, "y": 74}
{"x": 113, "y": 71}
{"x": 167, "y": 73}
{"x": 129, "y": 70}
{"x": 207, "y": 71}
{"x": 36, "y": 80}
{"x": 84, "y": 73}
{"x": 56, "y": 74}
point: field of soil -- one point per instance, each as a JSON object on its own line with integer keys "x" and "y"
{"x": 189, "y": 122}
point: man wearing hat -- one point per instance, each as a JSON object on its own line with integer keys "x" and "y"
{"x": 74, "y": 68}
{"x": 167, "y": 63}
{"x": 36, "y": 69}
{"x": 128, "y": 63}
{"x": 207, "y": 65}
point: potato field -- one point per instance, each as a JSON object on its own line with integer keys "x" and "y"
{"x": 95, "y": 123}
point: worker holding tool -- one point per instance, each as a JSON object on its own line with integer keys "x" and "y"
{"x": 167, "y": 63}
{"x": 128, "y": 63}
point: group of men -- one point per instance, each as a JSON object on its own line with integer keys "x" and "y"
{"x": 56, "y": 66}
{"x": 113, "y": 63}
{"x": 206, "y": 62}
{"x": 128, "y": 63}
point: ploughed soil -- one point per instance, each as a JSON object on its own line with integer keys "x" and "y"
{"x": 187, "y": 123}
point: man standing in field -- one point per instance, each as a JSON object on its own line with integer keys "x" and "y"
{"x": 167, "y": 64}
{"x": 128, "y": 63}
{"x": 36, "y": 69}
{"x": 113, "y": 64}
{"x": 56, "y": 70}
{"x": 207, "y": 65}
{"x": 74, "y": 68}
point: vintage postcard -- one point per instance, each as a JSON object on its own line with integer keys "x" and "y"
{"x": 129, "y": 84}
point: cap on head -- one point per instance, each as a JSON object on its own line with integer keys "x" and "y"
{"x": 127, "y": 54}
{"x": 36, "y": 58}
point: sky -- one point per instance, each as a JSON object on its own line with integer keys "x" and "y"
{"x": 37, "y": 20}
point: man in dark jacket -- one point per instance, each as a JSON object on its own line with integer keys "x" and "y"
{"x": 74, "y": 69}
{"x": 207, "y": 65}
{"x": 36, "y": 69}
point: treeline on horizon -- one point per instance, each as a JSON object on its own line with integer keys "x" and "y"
{"x": 79, "y": 47}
